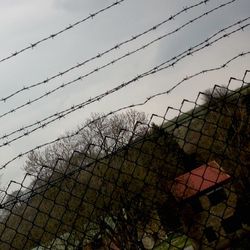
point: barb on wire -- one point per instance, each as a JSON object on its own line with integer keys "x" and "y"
{"x": 101, "y": 54}
{"x": 112, "y": 62}
{"x": 127, "y": 107}
{"x": 44, "y": 122}
{"x": 69, "y": 27}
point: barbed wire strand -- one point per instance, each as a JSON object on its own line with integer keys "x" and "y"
{"x": 127, "y": 107}
{"x": 62, "y": 114}
{"x": 69, "y": 27}
{"x": 98, "y": 69}
{"x": 101, "y": 54}
{"x": 34, "y": 191}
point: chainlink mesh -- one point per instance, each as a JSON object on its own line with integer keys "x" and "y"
{"x": 181, "y": 183}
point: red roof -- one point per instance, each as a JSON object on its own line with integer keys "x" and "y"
{"x": 199, "y": 179}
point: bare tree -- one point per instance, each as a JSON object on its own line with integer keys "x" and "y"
{"x": 103, "y": 133}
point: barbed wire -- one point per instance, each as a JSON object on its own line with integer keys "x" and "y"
{"x": 168, "y": 91}
{"x": 197, "y": 74}
{"x": 101, "y": 54}
{"x": 48, "y": 93}
{"x": 42, "y": 123}
{"x": 71, "y": 26}
{"x": 34, "y": 191}
{"x": 220, "y": 31}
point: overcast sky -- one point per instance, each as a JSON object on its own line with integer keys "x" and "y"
{"x": 25, "y": 22}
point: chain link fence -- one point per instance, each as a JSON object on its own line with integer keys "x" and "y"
{"x": 179, "y": 183}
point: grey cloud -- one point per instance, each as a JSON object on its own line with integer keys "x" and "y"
{"x": 203, "y": 28}
{"x": 78, "y": 5}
